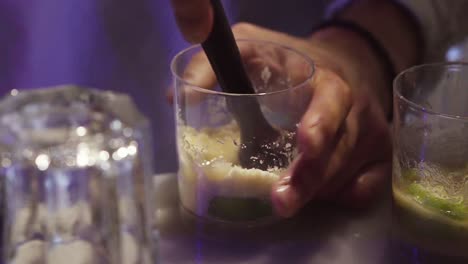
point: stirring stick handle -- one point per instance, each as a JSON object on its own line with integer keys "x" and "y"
{"x": 224, "y": 55}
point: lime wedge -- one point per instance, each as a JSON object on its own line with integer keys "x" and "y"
{"x": 239, "y": 209}
{"x": 455, "y": 210}
{"x": 410, "y": 175}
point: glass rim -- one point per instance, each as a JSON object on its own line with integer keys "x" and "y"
{"x": 397, "y": 94}
{"x": 209, "y": 91}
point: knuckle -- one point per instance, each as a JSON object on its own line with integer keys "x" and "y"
{"x": 243, "y": 28}
{"x": 342, "y": 86}
{"x": 346, "y": 92}
{"x": 339, "y": 85}
{"x": 315, "y": 129}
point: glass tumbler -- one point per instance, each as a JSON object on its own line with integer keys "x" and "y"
{"x": 224, "y": 175}
{"x": 430, "y": 163}
{"x": 74, "y": 163}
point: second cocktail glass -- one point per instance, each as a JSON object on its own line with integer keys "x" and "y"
{"x": 430, "y": 166}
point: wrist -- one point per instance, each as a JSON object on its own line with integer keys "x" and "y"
{"x": 356, "y": 61}
{"x": 392, "y": 24}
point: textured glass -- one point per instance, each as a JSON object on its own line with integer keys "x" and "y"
{"x": 75, "y": 168}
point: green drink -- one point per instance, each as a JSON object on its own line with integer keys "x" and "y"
{"x": 430, "y": 164}
{"x": 428, "y": 217}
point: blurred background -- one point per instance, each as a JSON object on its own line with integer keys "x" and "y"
{"x": 119, "y": 45}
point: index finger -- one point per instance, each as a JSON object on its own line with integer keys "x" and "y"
{"x": 199, "y": 73}
{"x": 321, "y": 146}
{"x": 194, "y": 17}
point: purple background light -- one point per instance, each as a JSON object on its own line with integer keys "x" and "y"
{"x": 118, "y": 45}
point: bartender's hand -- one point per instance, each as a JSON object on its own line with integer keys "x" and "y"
{"x": 194, "y": 17}
{"x": 343, "y": 137}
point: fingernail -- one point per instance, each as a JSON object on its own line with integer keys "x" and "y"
{"x": 283, "y": 198}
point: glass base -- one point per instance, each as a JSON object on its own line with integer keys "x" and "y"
{"x": 427, "y": 234}
{"x": 214, "y": 227}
